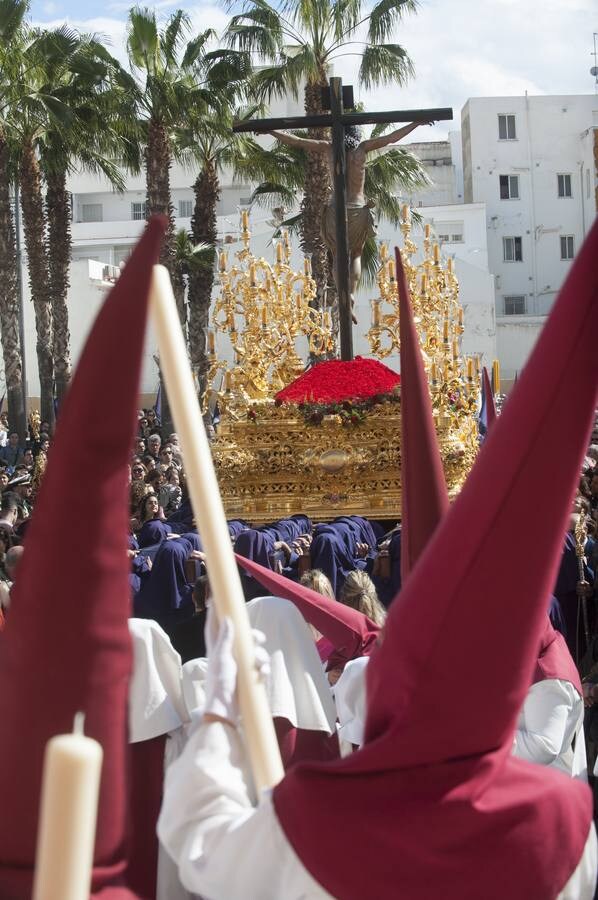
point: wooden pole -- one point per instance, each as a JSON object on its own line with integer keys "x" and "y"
{"x": 211, "y": 522}
{"x": 339, "y": 167}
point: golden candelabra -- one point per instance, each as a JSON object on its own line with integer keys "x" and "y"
{"x": 434, "y": 288}
{"x": 264, "y": 308}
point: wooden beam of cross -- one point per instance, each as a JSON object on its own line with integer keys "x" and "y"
{"x": 336, "y": 120}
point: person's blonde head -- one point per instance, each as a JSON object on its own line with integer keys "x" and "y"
{"x": 359, "y": 592}
{"x": 317, "y": 581}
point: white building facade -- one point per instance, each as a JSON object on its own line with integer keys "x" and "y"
{"x": 532, "y": 161}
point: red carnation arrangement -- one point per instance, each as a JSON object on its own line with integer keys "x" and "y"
{"x": 337, "y": 380}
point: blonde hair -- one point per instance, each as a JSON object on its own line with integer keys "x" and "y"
{"x": 317, "y": 581}
{"x": 359, "y": 592}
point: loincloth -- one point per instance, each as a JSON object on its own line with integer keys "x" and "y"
{"x": 361, "y": 226}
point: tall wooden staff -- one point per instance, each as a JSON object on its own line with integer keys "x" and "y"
{"x": 211, "y": 522}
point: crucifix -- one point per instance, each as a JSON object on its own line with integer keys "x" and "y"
{"x": 345, "y": 227}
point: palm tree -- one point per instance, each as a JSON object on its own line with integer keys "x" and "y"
{"x": 100, "y": 96}
{"x": 166, "y": 66}
{"x": 214, "y": 147}
{"x": 12, "y": 13}
{"x": 301, "y": 39}
{"x": 27, "y": 114}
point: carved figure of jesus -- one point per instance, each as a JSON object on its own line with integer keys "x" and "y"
{"x": 360, "y": 218}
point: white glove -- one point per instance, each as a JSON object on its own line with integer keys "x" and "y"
{"x": 221, "y": 676}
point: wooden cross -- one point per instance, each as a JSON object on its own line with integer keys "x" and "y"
{"x": 336, "y": 119}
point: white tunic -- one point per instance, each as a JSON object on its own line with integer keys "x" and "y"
{"x": 227, "y": 849}
{"x": 550, "y": 728}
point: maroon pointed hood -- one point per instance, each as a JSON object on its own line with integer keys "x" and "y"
{"x": 424, "y": 497}
{"x": 66, "y": 644}
{"x": 350, "y": 632}
{"x": 449, "y": 811}
{"x": 488, "y": 399}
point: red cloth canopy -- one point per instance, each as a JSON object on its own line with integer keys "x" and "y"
{"x": 66, "y": 644}
{"x": 434, "y": 805}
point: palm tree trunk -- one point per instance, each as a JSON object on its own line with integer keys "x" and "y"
{"x": 204, "y": 229}
{"x": 9, "y": 303}
{"x": 316, "y": 195}
{"x": 37, "y": 258}
{"x": 58, "y": 209}
{"x": 158, "y": 160}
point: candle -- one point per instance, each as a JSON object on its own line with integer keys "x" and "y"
{"x": 286, "y": 239}
{"x": 469, "y": 367}
{"x": 252, "y": 277}
{"x": 405, "y": 212}
{"x": 307, "y": 266}
{"x": 280, "y": 293}
{"x": 245, "y": 219}
{"x": 434, "y": 372}
{"x": 258, "y": 728}
{"x": 327, "y": 321}
{"x": 460, "y": 317}
{"x": 279, "y": 252}
{"x": 264, "y": 315}
{"x": 383, "y": 253}
{"x": 427, "y": 230}
{"x": 436, "y": 254}
{"x": 477, "y": 365}
{"x": 455, "y": 349}
{"x": 391, "y": 270}
{"x": 375, "y": 312}
{"x": 298, "y": 302}
{"x": 228, "y": 381}
{"x": 449, "y": 265}
{"x": 211, "y": 343}
{"x": 67, "y": 822}
{"x": 445, "y": 331}
{"x": 496, "y": 376}
{"x": 424, "y": 288}
{"x": 222, "y": 260}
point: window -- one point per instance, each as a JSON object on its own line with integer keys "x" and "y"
{"x": 185, "y": 209}
{"x": 511, "y": 249}
{"x": 139, "y": 211}
{"x": 506, "y": 128}
{"x": 567, "y": 246}
{"x": 515, "y": 305}
{"x": 509, "y": 187}
{"x": 564, "y": 185}
{"x": 450, "y": 232}
{"x": 92, "y": 212}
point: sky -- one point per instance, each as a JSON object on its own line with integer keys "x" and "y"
{"x": 460, "y": 49}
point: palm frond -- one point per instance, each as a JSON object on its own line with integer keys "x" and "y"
{"x": 174, "y": 35}
{"x": 385, "y": 16}
{"x": 142, "y": 39}
{"x": 385, "y": 64}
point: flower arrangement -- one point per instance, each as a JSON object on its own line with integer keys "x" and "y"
{"x": 336, "y": 381}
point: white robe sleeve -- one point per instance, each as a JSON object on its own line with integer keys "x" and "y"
{"x": 224, "y": 847}
{"x": 582, "y": 884}
{"x": 546, "y": 728}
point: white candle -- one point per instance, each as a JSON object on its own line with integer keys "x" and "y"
{"x": 211, "y": 521}
{"x": 67, "y": 822}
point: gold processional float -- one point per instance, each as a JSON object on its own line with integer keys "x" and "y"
{"x": 277, "y": 458}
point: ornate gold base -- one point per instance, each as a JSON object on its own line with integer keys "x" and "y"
{"x": 272, "y": 463}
